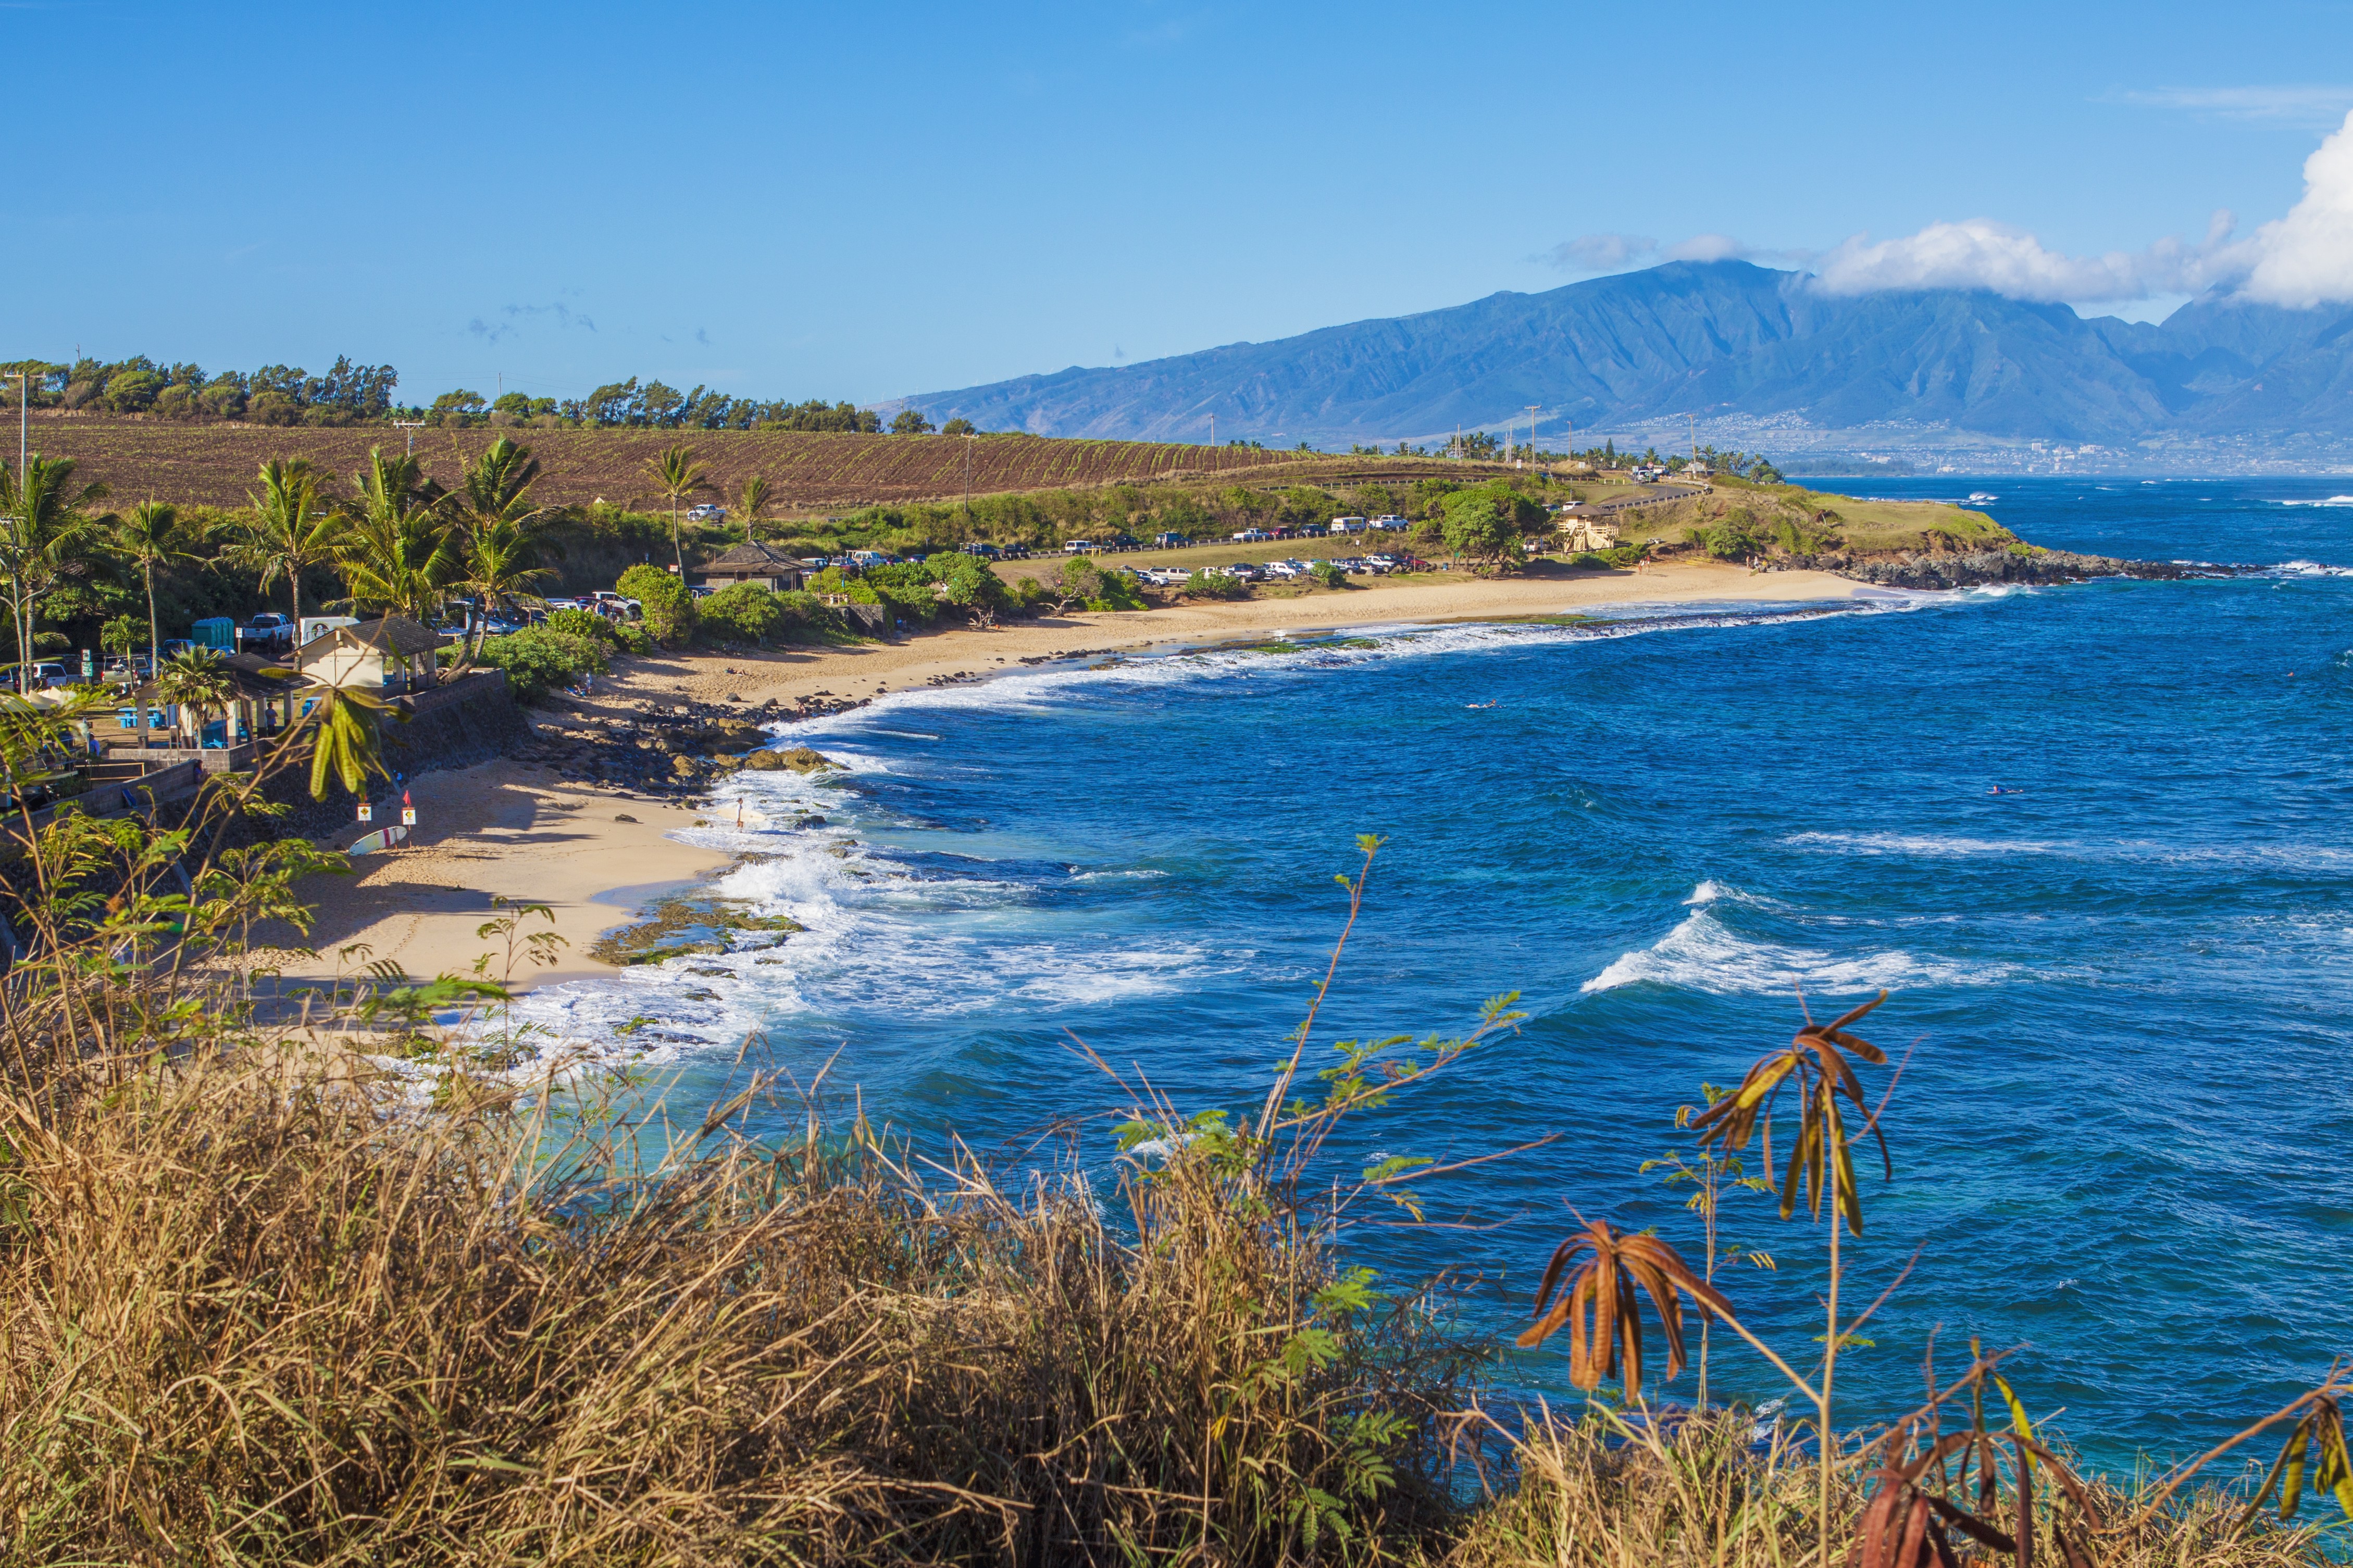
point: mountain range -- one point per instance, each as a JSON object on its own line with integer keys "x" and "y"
{"x": 1749, "y": 352}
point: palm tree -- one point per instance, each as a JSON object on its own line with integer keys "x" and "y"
{"x": 755, "y": 496}
{"x": 502, "y": 561}
{"x": 196, "y": 682}
{"x": 45, "y": 526}
{"x": 153, "y": 535}
{"x": 677, "y": 475}
{"x": 289, "y": 530}
{"x": 505, "y": 529}
{"x": 347, "y": 746}
{"x": 400, "y": 553}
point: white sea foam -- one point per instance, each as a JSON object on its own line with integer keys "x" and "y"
{"x": 1705, "y": 954}
{"x": 1043, "y": 690}
{"x": 2311, "y": 569}
{"x": 2332, "y": 500}
{"x": 2253, "y": 856}
{"x": 1929, "y": 845}
{"x": 1711, "y": 891}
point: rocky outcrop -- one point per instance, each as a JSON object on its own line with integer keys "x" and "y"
{"x": 1975, "y": 568}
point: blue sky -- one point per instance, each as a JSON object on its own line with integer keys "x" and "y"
{"x": 865, "y": 202}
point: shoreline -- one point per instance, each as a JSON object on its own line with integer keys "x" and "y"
{"x": 511, "y": 829}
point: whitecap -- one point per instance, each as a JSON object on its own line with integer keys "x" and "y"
{"x": 1703, "y": 955}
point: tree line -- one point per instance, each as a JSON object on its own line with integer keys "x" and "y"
{"x": 354, "y": 393}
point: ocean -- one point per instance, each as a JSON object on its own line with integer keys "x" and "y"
{"x": 2121, "y": 1139}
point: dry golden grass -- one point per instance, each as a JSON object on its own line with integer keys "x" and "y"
{"x": 1599, "y": 1494}
{"x": 252, "y": 1317}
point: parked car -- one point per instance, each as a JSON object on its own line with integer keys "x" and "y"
{"x": 1171, "y": 540}
{"x": 1080, "y": 546}
{"x": 709, "y": 511}
{"x": 985, "y": 551}
{"x": 270, "y": 630}
{"x": 1252, "y": 536}
{"x": 1282, "y": 568}
{"x": 1249, "y": 571}
{"x": 1125, "y": 542}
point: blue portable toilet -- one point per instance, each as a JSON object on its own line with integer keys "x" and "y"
{"x": 220, "y": 632}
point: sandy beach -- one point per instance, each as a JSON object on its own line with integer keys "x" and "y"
{"x": 508, "y": 829}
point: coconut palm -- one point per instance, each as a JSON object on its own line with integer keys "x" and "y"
{"x": 290, "y": 531}
{"x": 502, "y": 561}
{"x": 756, "y": 497}
{"x": 155, "y": 534}
{"x": 46, "y": 534}
{"x": 399, "y": 554}
{"x": 197, "y": 682}
{"x": 505, "y": 529}
{"x": 677, "y": 475}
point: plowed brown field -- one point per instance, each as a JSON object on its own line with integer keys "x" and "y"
{"x": 806, "y": 472}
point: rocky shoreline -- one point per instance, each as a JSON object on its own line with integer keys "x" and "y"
{"x": 1977, "y": 568}
{"x": 675, "y": 751}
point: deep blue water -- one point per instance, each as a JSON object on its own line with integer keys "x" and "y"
{"x": 2123, "y": 1136}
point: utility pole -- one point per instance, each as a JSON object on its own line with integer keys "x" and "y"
{"x": 968, "y": 440}
{"x": 1533, "y": 409}
{"x": 1213, "y": 443}
{"x": 412, "y": 427}
{"x": 1694, "y": 435}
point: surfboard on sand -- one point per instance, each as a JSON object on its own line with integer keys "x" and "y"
{"x": 382, "y": 838}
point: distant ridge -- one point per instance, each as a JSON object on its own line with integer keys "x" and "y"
{"x": 1739, "y": 347}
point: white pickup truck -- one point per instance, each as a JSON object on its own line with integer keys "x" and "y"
{"x": 270, "y": 630}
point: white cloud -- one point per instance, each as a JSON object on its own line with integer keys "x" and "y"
{"x": 2302, "y": 260}
{"x": 1603, "y": 252}
{"x": 1708, "y": 247}
{"x": 2315, "y": 106}
{"x": 1982, "y": 254}
{"x": 2308, "y": 256}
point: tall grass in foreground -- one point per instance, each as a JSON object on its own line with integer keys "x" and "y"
{"x": 259, "y": 1305}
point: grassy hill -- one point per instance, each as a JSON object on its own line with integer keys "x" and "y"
{"x": 1792, "y": 520}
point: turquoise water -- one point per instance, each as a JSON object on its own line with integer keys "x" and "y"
{"x": 2122, "y": 1138}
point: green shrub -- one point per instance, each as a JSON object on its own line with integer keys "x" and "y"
{"x": 1603, "y": 559}
{"x": 540, "y": 658}
{"x": 744, "y": 612}
{"x": 587, "y": 624}
{"x": 1331, "y": 576}
{"x": 669, "y": 607}
{"x": 1215, "y": 585}
{"x": 1090, "y": 585}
